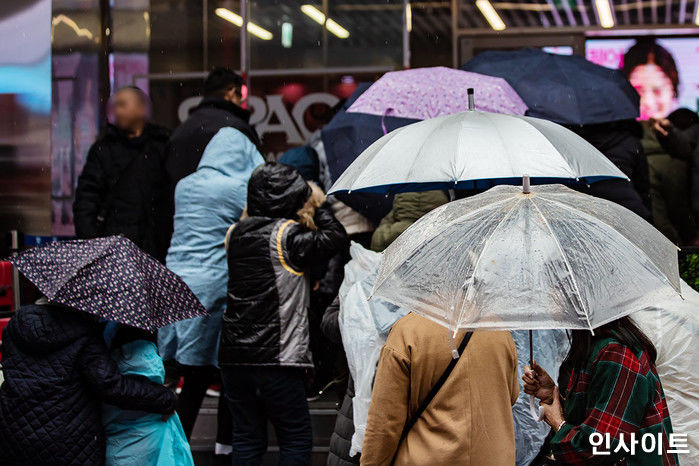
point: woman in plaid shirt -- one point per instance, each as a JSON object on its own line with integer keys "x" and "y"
{"x": 612, "y": 403}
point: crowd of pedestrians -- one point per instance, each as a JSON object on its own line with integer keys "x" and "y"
{"x": 263, "y": 249}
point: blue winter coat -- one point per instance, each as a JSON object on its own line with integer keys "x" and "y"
{"x": 207, "y": 202}
{"x": 137, "y": 437}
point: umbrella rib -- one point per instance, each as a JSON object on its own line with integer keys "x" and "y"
{"x": 499, "y": 133}
{"x": 597, "y": 219}
{"x": 419, "y": 151}
{"x": 480, "y": 256}
{"x": 566, "y": 162}
{"x": 100, "y": 254}
{"x": 567, "y": 264}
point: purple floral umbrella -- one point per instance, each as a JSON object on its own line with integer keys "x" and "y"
{"x": 424, "y": 93}
{"x": 111, "y": 278}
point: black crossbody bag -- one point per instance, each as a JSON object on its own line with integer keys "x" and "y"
{"x": 433, "y": 392}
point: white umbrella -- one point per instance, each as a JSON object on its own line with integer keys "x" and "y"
{"x": 474, "y": 149}
{"x": 550, "y": 259}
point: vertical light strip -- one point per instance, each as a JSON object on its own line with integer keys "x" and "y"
{"x": 408, "y": 17}
{"x": 490, "y": 14}
{"x": 696, "y": 13}
{"x": 319, "y": 17}
{"x": 604, "y": 13}
{"x": 253, "y": 28}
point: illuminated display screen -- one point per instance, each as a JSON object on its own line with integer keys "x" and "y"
{"x": 665, "y": 72}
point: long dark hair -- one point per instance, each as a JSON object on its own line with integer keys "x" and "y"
{"x": 646, "y": 50}
{"x": 581, "y": 342}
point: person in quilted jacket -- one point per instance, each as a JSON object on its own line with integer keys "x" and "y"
{"x": 57, "y": 373}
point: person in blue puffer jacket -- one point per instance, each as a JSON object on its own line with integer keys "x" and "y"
{"x": 137, "y": 437}
{"x": 207, "y": 202}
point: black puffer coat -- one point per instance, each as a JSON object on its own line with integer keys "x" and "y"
{"x": 684, "y": 144}
{"x": 266, "y": 320}
{"x": 341, "y": 438}
{"x": 189, "y": 140}
{"x": 620, "y": 142}
{"x": 57, "y": 374}
{"x": 122, "y": 190}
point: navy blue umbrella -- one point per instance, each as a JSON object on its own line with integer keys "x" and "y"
{"x": 565, "y": 89}
{"x": 345, "y": 137}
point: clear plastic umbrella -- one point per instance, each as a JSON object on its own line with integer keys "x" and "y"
{"x": 513, "y": 259}
{"x": 552, "y": 258}
{"x": 474, "y": 149}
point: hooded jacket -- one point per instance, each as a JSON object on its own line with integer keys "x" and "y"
{"x": 266, "y": 319}
{"x": 57, "y": 372}
{"x": 122, "y": 189}
{"x": 207, "y": 202}
{"x": 135, "y": 437}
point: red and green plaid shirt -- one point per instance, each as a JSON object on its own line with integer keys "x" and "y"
{"x": 618, "y": 392}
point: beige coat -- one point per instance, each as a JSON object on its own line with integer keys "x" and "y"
{"x": 468, "y": 423}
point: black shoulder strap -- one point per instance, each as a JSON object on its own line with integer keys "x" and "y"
{"x": 433, "y": 392}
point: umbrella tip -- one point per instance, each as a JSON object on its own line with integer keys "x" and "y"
{"x": 471, "y": 102}
{"x": 526, "y": 185}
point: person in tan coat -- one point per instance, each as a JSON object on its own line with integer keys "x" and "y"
{"x": 469, "y": 421}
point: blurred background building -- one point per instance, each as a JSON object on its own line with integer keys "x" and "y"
{"x": 60, "y": 60}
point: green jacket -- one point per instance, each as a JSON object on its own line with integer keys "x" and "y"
{"x": 407, "y": 208}
{"x": 669, "y": 190}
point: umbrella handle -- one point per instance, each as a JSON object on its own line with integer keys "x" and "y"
{"x": 387, "y": 112}
{"x": 538, "y": 416}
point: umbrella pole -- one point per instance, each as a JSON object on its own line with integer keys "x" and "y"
{"x": 537, "y": 415}
{"x": 526, "y": 189}
{"x": 471, "y": 103}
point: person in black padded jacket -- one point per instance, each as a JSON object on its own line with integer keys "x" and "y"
{"x": 265, "y": 337}
{"x": 57, "y": 373}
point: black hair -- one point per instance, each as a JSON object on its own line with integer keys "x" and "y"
{"x": 126, "y": 334}
{"x": 140, "y": 93}
{"x": 683, "y": 118}
{"x": 645, "y": 51}
{"x": 623, "y": 330}
{"x": 221, "y": 80}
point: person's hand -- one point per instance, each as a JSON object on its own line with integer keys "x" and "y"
{"x": 316, "y": 285}
{"x": 661, "y": 126}
{"x": 553, "y": 413}
{"x": 537, "y": 382}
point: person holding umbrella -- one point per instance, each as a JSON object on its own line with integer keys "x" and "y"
{"x": 610, "y": 396}
{"x": 549, "y": 257}
{"x": 57, "y": 369}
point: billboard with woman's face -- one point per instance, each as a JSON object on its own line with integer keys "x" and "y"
{"x": 665, "y": 72}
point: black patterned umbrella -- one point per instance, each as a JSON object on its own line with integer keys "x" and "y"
{"x": 111, "y": 278}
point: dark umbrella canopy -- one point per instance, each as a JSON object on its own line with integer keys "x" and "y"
{"x": 110, "y": 278}
{"x": 348, "y": 135}
{"x": 565, "y": 89}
